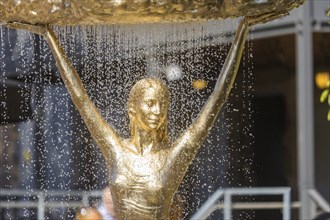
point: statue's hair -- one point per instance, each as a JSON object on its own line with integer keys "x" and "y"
{"x": 135, "y": 95}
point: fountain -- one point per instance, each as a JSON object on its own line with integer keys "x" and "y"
{"x": 145, "y": 169}
{"x": 74, "y": 12}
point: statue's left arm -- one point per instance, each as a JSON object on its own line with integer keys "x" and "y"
{"x": 186, "y": 146}
{"x": 104, "y": 134}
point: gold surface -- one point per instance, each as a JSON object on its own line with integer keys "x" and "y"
{"x": 78, "y": 12}
{"x": 146, "y": 170}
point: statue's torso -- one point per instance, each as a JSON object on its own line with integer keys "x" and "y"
{"x": 138, "y": 185}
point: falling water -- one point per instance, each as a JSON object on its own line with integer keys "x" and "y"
{"x": 55, "y": 150}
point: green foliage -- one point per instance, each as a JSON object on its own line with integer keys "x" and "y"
{"x": 325, "y": 96}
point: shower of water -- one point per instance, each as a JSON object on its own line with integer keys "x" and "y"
{"x": 55, "y": 151}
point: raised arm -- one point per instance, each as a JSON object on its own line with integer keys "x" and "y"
{"x": 194, "y": 136}
{"x": 186, "y": 146}
{"x": 104, "y": 135}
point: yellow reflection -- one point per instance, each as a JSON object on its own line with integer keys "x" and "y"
{"x": 322, "y": 80}
{"x": 199, "y": 84}
{"x": 27, "y": 155}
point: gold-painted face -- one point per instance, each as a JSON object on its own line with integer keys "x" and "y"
{"x": 150, "y": 109}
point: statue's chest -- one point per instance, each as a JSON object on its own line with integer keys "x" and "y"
{"x": 140, "y": 180}
{"x": 140, "y": 170}
{"x": 143, "y": 165}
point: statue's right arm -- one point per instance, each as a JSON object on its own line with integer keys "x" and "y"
{"x": 186, "y": 146}
{"x": 192, "y": 138}
{"x": 105, "y": 136}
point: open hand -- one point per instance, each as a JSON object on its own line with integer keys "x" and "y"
{"x": 37, "y": 29}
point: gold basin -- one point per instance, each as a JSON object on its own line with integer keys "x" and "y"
{"x": 83, "y": 12}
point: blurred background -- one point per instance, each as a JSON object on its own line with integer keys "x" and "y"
{"x": 273, "y": 132}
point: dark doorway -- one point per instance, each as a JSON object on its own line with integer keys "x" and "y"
{"x": 270, "y": 151}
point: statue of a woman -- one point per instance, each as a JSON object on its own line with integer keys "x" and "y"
{"x": 146, "y": 170}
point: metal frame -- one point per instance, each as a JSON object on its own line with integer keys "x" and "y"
{"x": 317, "y": 200}
{"x": 212, "y": 204}
{"x": 305, "y": 110}
{"x": 40, "y": 202}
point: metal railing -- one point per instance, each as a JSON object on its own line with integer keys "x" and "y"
{"x": 43, "y": 200}
{"x": 318, "y": 201}
{"x": 212, "y": 203}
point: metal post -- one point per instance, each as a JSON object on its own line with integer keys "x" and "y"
{"x": 312, "y": 208}
{"x": 305, "y": 119}
{"x": 287, "y": 205}
{"x": 206, "y": 209}
{"x": 41, "y": 206}
{"x": 227, "y": 206}
{"x": 85, "y": 199}
{"x": 319, "y": 200}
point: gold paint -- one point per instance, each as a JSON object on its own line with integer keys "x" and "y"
{"x": 80, "y": 12}
{"x": 146, "y": 170}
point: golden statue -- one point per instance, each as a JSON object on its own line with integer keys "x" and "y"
{"x": 146, "y": 170}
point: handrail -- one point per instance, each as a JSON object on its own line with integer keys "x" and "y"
{"x": 258, "y": 205}
{"x": 319, "y": 200}
{"x": 40, "y": 198}
{"x": 43, "y": 199}
{"x": 212, "y": 204}
{"x": 19, "y": 192}
{"x": 208, "y": 208}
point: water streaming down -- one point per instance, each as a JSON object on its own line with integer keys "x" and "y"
{"x": 54, "y": 147}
